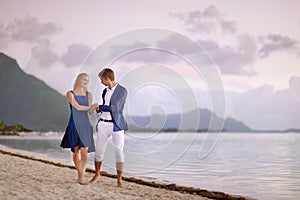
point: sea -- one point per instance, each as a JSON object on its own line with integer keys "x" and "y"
{"x": 258, "y": 165}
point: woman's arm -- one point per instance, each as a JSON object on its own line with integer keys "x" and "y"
{"x": 73, "y": 102}
{"x": 92, "y": 107}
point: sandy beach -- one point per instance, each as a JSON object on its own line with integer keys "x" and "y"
{"x": 27, "y": 177}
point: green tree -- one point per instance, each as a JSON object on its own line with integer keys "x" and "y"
{"x": 2, "y": 126}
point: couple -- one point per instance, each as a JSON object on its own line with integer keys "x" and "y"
{"x": 79, "y": 132}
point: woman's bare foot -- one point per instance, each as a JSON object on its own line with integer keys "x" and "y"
{"x": 95, "y": 178}
{"x": 119, "y": 183}
{"x": 81, "y": 182}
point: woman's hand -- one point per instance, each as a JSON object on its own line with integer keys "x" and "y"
{"x": 95, "y": 106}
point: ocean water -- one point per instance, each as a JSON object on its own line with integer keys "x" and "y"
{"x": 258, "y": 165}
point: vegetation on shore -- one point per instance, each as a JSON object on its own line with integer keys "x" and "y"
{"x": 12, "y": 130}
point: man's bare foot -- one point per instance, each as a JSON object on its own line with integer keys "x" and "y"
{"x": 95, "y": 178}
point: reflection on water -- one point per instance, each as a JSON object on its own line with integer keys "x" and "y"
{"x": 263, "y": 166}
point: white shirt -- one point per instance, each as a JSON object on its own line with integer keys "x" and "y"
{"x": 108, "y": 94}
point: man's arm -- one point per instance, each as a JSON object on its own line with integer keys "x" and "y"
{"x": 104, "y": 108}
{"x": 121, "y": 98}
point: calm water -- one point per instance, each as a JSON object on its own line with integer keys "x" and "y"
{"x": 259, "y": 165}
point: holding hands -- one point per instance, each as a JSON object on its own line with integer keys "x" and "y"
{"x": 95, "y": 106}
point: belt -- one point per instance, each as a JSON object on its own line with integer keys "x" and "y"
{"x": 105, "y": 120}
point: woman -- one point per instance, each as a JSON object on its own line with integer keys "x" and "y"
{"x": 79, "y": 132}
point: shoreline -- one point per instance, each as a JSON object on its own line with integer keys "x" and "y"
{"x": 176, "y": 191}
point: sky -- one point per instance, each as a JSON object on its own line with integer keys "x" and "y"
{"x": 254, "y": 46}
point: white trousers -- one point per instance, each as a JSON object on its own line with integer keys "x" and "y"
{"x": 105, "y": 130}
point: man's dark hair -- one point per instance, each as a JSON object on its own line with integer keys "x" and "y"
{"x": 107, "y": 73}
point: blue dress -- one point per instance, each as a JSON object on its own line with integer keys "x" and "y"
{"x": 79, "y": 131}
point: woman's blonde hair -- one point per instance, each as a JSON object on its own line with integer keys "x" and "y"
{"x": 78, "y": 79}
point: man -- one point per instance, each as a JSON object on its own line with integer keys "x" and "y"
{"x": 111, "y": 123}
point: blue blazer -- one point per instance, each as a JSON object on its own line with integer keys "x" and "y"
{"x": 116, "y": 107}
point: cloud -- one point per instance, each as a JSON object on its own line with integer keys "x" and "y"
{"x": 165, "y": 51}
{"x": 238, "y": 56}
{"x": 235, "y": 59}
{"x": 232, "y": 60}
{"x": 3, "y": 37}
{"x": 42, "y": 55}
{"x": 267, "y": 108}
{"x": 31, "y": 30}
{"x": 275, "y": 42}
{"x": 141, "y": 52}
{"x": 206, "y": 21}
{"x": 75, "y": 55}
{"x": 151, "y": 56}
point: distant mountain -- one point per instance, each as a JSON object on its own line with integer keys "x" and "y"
{"x": 27, "y": 100}
{"x": 292, "y": 130}
{"x": 185, "y": 122}
{"x": 30, "y": 102}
